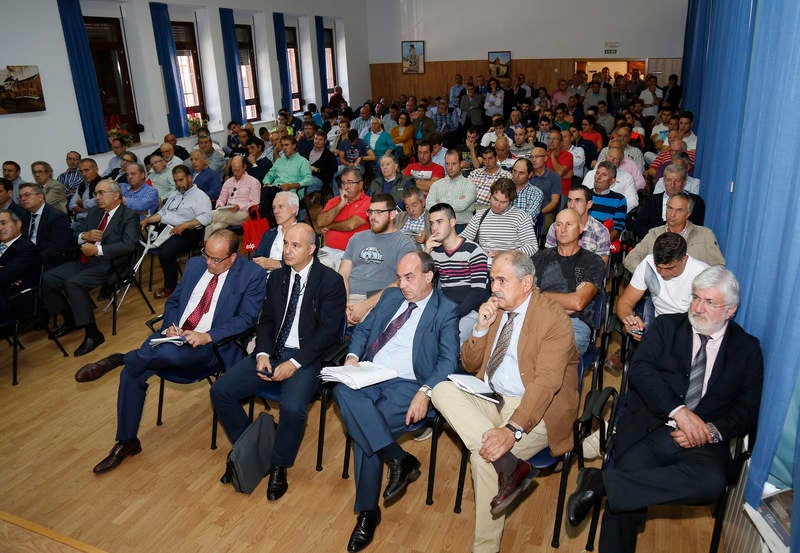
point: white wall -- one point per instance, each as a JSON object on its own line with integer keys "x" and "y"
{"x": 469, "y": 29}
{"x": 50, "y": 134}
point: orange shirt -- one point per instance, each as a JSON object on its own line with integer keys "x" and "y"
{"x": 339, "y": 238}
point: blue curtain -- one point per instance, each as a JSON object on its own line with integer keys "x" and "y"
{"x": 764, "y": 217}
{"x": 232, "y": 64}
{"x": 694, "y": 52}
{"x": 167, "y": 59}
{"x": 283, "y": 60}
{"x": 84, "y": 79}
{"x": 724, "y": 85}
{"x": 323, "y": 70}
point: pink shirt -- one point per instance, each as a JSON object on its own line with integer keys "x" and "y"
{"x": 244, "y": 192}
{"x": 629, "y": 166}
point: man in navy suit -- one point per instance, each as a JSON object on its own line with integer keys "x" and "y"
{"x": 269, "y": 253}
{"x": 106, "y": 237}
{"x": 19, "y": 264}
{"x": 46, "y": 226}
{"x": 695, "y": 384}
{"x": 302, "y": 317}
{"x": 414, "y": 330}
{"x": 218, "y": 296}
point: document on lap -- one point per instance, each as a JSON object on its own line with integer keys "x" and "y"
{"x": 475, "y": 386}
{"x": 177, "y": 340}
{"x": 365, "y": 374}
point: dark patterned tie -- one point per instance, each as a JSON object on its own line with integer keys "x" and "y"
{"x": 697, "y": 375}
{"x": 389, "y": 332}
{"x": 499, "y": 352}
{"x": 32, "y": 228}
{"x": 286, "y": 327}
{"x": 202, "y": 307}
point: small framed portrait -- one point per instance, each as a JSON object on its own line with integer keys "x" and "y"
{"x": 499, "y": 64}
{"x": 413, "y": 55}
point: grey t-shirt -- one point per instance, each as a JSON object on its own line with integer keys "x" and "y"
{"x": 374, "y": 258}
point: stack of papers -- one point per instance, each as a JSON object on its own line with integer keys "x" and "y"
{"x": 475, "y": 386}
{"x": 177, "y": 340}
{"x": 365, "y": 374}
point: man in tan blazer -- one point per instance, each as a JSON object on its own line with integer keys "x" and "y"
{"x": 531, "y": 365}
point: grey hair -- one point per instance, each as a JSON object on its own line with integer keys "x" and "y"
{"x": 425, "y": 260}
{"x": 689, "y": 200}
{"x": 612, "y": 169}
{"x": 291, "y": 198}
{"x": 113, "y": 186}
{"x": 717, "y": 276}
{"x": 47, "y": 166}
{"x": 14, "y": 217}
{"x": 521, "y": 263}
{"x": 33, "y": 186}
{"x": 355, "y": 171}
{"x": 140, "y": 166}
{"x": 676, "y": 169}
{"x": 411, "y": 191}
{"x": 200, "y": 153}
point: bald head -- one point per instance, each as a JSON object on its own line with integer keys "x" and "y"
{"x": 299, "y": 245}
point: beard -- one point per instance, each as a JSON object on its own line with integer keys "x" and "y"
{"x": 702, "y": 325}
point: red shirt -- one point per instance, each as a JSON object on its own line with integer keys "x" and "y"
{"x": 339, "y": 238}
{"x": 424, "y": 172}
{"x": 565, "y": 159}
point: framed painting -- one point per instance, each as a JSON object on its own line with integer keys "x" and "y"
{"x": 499, "y": 64}
{"x": 20, "y": 89}
{"x": 413, "y": 56}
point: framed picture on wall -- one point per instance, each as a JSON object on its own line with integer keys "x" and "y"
{"x": 413, "y": 55}
{"x": 499, "y": 64}
{"x": 20, "y": 89}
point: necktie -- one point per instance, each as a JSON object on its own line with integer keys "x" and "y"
{"x": 499, "y": 352}
{"x": 3, "y": 247}
{"x": 697, "y": 375}
{"x": 32, "y": 228}
{"x": 100, "y": 227}
{"x": 288, "y": 319}
{"x": 202, "y": 307}
{"x": 389, "y": 332}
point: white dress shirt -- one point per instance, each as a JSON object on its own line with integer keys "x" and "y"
{"x": 204, "y": 325}
{"x": 398, "y": 351}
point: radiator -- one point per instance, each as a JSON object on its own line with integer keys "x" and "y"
{"x": 739, "y": 533}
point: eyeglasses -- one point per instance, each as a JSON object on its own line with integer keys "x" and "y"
{"x": 710, "y": 304}
{"x": 376, "y": 211}
{"x": 214, "y": 260}
{"x": 351, "y": 183}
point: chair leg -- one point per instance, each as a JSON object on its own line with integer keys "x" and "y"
{"x": 60, "y": 346}
{"x": 159, "y": 421}
{"x": 114, "y": 314}
{"x": 15, "y": 346}
{"x": 719, "y": 519}
{"x": 251, "y": 410}
{"x": 462, "y": 476}
{"x": 562, "y": 497}
{"x": 214, "y": 420}
{"x": 593, "y": 526}
{"x": 150, "y": 279}
{"x": 144, "y": 296}
{"x": 348, "y": 445}
{"x": 323, "y": 411}
{"x": 438, "y": 425}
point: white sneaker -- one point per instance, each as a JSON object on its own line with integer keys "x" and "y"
{"x": 423, "y": 434}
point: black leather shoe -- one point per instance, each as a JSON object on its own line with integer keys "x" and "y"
{"x": 401, "y": 473}
{"x": 364, "y": 531}
{"x": 512, "y": 485}
{"x": 590, "y": 491}
{"x": 117, "y": 455}
{"x": 93, "y": 371}
{"x": 89, "y": 344}
{"x": 277, "y": 483}
{"x": 65, "y": 328}
{"x": 225, "y": 478}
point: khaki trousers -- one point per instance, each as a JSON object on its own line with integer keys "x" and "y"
{"x": 470, "y": 417}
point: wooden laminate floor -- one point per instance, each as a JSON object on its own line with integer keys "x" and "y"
{"x": 169, "y": 499}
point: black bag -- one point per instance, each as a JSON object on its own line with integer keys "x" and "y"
{"x": 249, "y": 460}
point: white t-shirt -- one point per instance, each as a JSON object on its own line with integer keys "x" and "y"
{"x": 669, "y": 296}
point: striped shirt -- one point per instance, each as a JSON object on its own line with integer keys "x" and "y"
{"x": 483, "y": 183}
{"x": 509, "y": 230}
{"x": 611, "y": 205}
{"x": 71, "y": 179}
{"x": 594, "y": 238}
{"x": 529, "y": 200}
{"x": 463, "y": 274}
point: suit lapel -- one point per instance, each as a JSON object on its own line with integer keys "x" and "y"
{"x": 425, "y": 322}
{"x": 226, "y": 302}
{"x": 720, "y": 362}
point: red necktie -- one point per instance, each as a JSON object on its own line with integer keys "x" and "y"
{"x": 202, "y": 307}
{"x": 100, "y": 227}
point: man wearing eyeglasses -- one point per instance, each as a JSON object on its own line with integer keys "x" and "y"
{"x": 105, "y": 238}
{"x": 219, "y": 296}
{"x": 369, "y": 263}
{"x": 187, "y": 210}
{"x": 343, "y": 216}
{"x": 72, "y": 177}
{"x": 695, "y": 384}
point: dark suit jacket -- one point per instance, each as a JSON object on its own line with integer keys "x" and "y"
{"x": 327, "y": 165}
{"x": 321, "y": 313}
{"x": 53, "y": 237}
{"x": 119, "y": 237}
{"x": 19, "y": 263}
{"x": 651, "y": 210}
{"x": 19, "y": 211}
{"x": 659, "y": 378}
{"x": 238, "y": 304}
{"x": 435, "y": 348}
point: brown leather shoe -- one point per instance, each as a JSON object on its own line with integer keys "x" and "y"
{"x": 117, "y": 455}
{"x": 512, "y": 485}
{"x": 162, "y": 293}
{"x": 93, "y": 371}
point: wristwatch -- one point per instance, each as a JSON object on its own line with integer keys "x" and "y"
{"x": 516, "y": 431}
{"x": 427, "y": 390}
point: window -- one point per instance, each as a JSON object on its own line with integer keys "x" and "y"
{"x": 113, "y": 79}
{"x": 293, "y": 53}
{"x": 189, "y": 69}
{"x": 330, "y": 61}
{"x": 247, "y": 68}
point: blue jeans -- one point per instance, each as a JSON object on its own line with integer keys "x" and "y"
{"x": 582, "y": 334}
